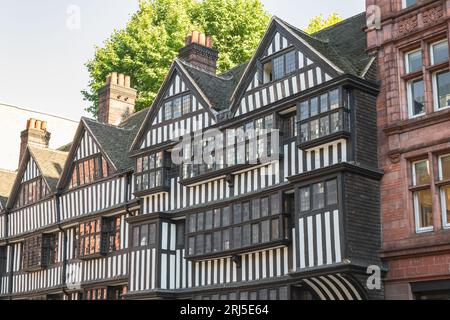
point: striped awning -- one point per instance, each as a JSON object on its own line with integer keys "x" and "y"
{"x": 334, "y": 287}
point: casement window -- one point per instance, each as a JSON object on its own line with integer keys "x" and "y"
{"x": 289, "y": 126}
{"x": 89, "y": 170}
{"x": 444, "y": 180}
{"x": 422, "y": 195}
{"x": 99, "y": 237}
{"x": 39, "y": 251}
{"x": 319, "y": 196}
{"x": 280, "y": 66}
{"x": 416, "y": 86}
{"x": 322, "y": 116}
{"x": 241, "y": 225}
{"x": 96, "y": 294}
{"x": 151, "y": 172}
{"x": 408, "y": 3}
{"x": 177, "y": 107}
{"x": 31, "y": 192}
{"x": 144, "y": 235}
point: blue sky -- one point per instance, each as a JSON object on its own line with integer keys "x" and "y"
{"x": 42, "y": 56}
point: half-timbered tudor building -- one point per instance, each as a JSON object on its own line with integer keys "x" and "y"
{"x": 125, "y": 221}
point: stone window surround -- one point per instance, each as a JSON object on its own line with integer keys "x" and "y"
{"x": 427, "y": 74}
{"x": 432, "y": 154}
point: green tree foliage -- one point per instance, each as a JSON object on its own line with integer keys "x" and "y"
{"x": 319, "y": 22}
{"x": 149, "y": 43}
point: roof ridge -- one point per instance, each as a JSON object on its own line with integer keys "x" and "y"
{"x": 188, "y": 64}
{"x": 105, "y": 124}
{"x": 339, "y": 23}
{"x": 47, "y": 150}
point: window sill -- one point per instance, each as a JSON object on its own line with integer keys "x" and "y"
{"x": 425, "y": 230}
{"x": 323, "y": 140}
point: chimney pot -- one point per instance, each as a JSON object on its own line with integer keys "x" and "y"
{"x": 38, "y": 124}
{"x": 195, "y": 37}
{"x": 127, "y": 81}
{"x": 121, "y": 81}
{"x": 114, "y": 78}
{"x": 32, "y": 124}
{"x": 209, "y": 42}
{"x": 44, "y": 125}
{"x": 202, "y": 39}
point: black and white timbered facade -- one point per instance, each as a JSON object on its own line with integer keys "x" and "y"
{"x": 125, "y": 221}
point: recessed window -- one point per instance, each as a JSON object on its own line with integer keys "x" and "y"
{"x": 444, "y": 175}
{"x": 423, "y": 203}
{"x": 439, "y": 52}
{"x": 416, "y": 97}
{"x": 414, "y": 61}
{"x": 444, "y": 167}
{"x": 441, "y": 88}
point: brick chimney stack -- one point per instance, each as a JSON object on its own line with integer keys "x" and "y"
{"x": 116, "y": 99}
{"x": 35, "y": 134}
{"x": 199, "y": 52}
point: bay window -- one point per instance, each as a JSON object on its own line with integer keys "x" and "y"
{"x": 238, "y": 226}
{"x": 422, "y": 195}
{"x": 322, "y": 116}
{"x": 31, "y": 191}
{"x": 150, "y": 172}
{"x": 319, "y": 196}
{"x": 144, "y": 235}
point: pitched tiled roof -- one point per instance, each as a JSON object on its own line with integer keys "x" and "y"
{"x": 116, "y": 141}
{"x": 51, "y": 163}
{"x": 344, "y": 43}
{"x": 7, "y": 179}
{"x": 218, "y": 89}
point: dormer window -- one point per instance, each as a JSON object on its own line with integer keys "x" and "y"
{"x": 279, "y": 67}
{"x": 31, "y": 192}
{"x": 89, "y": 170}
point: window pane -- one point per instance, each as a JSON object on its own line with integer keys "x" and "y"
{"x": 135, "y": 236}
{"x": 264, "y": 207}
{"x": 335, "y": 125}
{"x": 255, "y": 234}
{"x": 304, "y": 131}
{"x": 304, "y": 199}
{"x": 414, "y": 61}
{"x": 191, "y": 245}
{"x": 226, "y": 240}
{"x": 445, "y": 168}
{"x": 417, "y": 97}
{"x": 177, "y": 108}
{"x": 314, "y": 106}
{"x": 424, "y": 208}
{"x": 152, "y": 234}
{"x": 334, "y": 99}
{"x": 144, "y": 235}
{"x": 443, "y": 88}
{"x": 278, "y": 68}
{"x": 256, "y": 210}
{"x": 324, "y": 126}
{"x": 246, "y": 235}
{"x": 168, "y": 111}
{"x": 226, "y": 216}
{"x": 318, "y": 196}
{"x": 200, "y": 221}
{"x": 186, "y": 104}
{"x": 269, "y": 122}
{"x": 237, "y": 218}
{"x": 265, "y": 231}
{"x": 304, "y": 110}
{"x": 275, "y": 230}
{"x": 192, "y": 223}
{"x": 217, "y": 241}
{"x": 237, "y": 237}
{"x": 421, "y": 173}
{"x": 199, "y": 245}
{"x": 408, "y": 3}
{"x": 208, "y": 243}
{"x": 324, "y": 102}
{"x": 440, "y": 52}
{"x": 314, "y": 132}
{"x": 209, "y": 220}
{"x": 275, "y": 204}
{"x": 446, "y": 203}
{"x": 217, "y": 218}
{"x": 332, "y": 196}
{"x": 290, "y": 62}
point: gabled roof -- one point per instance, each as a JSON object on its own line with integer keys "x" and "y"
{"x": 218, "y": 88}
{"x": 342, "y": 45}
{"x": 50, "y": 164}
{"x": 7, "y": 179}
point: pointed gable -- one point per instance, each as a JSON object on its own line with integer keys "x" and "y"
{"x": 7, "y": 179}
{"x": 180, "y": 107}
{"x": 37, "y": 177}
{"x": 286, "y": 63}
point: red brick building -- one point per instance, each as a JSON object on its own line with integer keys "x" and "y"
{"x": 411, "y": 45}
